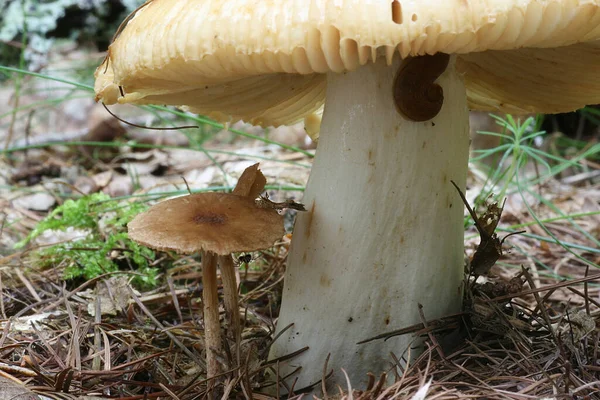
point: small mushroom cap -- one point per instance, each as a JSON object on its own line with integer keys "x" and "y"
{"x": 217, "y": 222}
{"x": 265, "y": 61}
{"x": 251, "y": 183}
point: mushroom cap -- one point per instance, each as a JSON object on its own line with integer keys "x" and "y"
{"x": 265, "y": 61}
{"x": 217, "y": 222}
{"x": 251, "y": 183}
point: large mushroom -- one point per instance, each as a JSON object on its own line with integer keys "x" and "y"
{"x": 384, "y": 227}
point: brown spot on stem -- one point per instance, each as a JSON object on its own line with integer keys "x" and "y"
{"x": 325, "y": 280}
{"x": 416, "y": 95}
{"x": 371, "y": 158}
{"x": 310, "y": 217}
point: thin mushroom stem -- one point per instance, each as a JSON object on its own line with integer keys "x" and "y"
{"x": 212, "y": 334}
{"x": 230, "y": 299}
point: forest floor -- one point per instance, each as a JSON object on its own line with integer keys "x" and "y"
{"x": 85, "y": 312}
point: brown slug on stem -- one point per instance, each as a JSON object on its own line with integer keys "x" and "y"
{"x": 417, "y": 96}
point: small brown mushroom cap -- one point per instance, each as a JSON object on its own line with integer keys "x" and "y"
{"x": 216, "y": 222}
{"x": 251, "y": 183}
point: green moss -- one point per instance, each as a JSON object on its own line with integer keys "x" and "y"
{"x": 106, "y": 248}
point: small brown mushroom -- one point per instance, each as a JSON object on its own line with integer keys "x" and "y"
{"x": 216, "y": 225}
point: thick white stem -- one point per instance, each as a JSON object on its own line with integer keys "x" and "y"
{"x": 384, "y": 229}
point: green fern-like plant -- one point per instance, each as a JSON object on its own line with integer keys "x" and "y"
{"x": 105, "y": 248}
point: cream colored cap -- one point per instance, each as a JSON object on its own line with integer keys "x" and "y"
{"x": 217, "y": 222}
{"x": 265, "y": 61}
